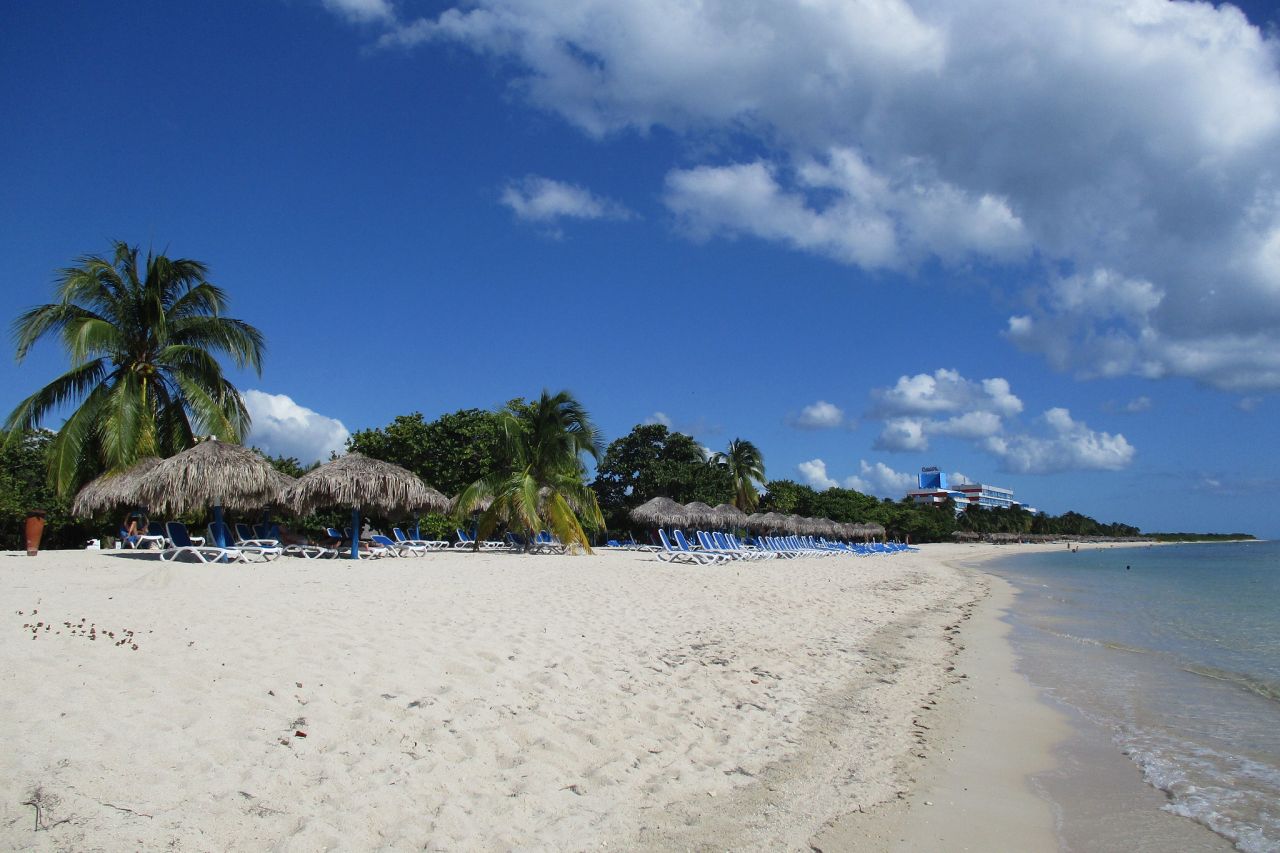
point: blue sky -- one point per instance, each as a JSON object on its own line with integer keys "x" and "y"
{"x": 1034, "y": 244}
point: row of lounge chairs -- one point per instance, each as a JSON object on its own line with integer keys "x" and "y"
{"x": 543, "y": 543}
{"x": 262, "y": 543}
{"x": 718, "y": 548}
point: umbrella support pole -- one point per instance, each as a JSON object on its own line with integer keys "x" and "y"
{"x": 219, "y": 538}
{"x": 355, "y": 534}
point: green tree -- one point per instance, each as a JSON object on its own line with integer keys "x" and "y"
{"x": 785, "y": 496}
{"x": 24, "y": 486}
{"x": 144, "y": 376}
{"x": 449, "y": 453}
{"x": 540, "y": 479}
{"x": 651, "y": 461}
{"x": 746, "y": 467}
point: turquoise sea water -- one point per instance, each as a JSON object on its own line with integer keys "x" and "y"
{"x": 1174, "y": 650}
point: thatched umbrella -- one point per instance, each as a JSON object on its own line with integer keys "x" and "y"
{"x": 773, "y": 522}
{"x": 213, "y": 473}
{"x": 699, "y": 513}
{"x": 112, "y": 489}
{"x": 659, "y": 512}
{"x": 729, "y": 516}
{"x": 362, "y": 483}
{"x": 756, "y": 522}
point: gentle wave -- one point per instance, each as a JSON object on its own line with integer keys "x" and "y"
{"x": 1224, "y": 807}
{"x": 1104, "y": 644}
{"x": 1258, "y": 686}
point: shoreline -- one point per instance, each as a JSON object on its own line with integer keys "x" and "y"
{"x": 1011, "y": 768}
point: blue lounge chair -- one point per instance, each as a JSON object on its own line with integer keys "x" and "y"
{"x": 250, "y": 548}
{"x": 181, "y": 544}
{"x": 544, "y": 542}
{"x": 395, "y": 549}
{"x": 416, "y": 540}
{"x": 467, "y": 541}
{"x": 708, "y": 544}
{"x": 672, "y": 554}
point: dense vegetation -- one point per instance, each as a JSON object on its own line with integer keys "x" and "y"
{"x": 460, "y": 448}
{"x": 1200, "y": 537}
{"x": 24, "y": 486}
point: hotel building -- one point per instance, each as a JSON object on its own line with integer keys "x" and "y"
{"x": 934, "y": 491}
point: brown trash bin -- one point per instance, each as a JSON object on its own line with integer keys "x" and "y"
{"x": 34, "y": 530}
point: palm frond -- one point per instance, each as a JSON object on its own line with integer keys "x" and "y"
{"x": 70, "y": 464}
{"x": 244, "y": 343}
{"x": 70, "y": 386}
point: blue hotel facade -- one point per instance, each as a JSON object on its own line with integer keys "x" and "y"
{"x": 934, "y": 490}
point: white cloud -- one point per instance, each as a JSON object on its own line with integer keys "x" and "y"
{"x": 881, "y": 480}
{"x": 1131, "y": 142}
{"x": 940, "y": 403}
{"x": 946, "y": 391}
{"x": 281, "y": 427}
{"x": 659, "y": 418}
{"x": 1138, "y": 404}
{"x": 814, "y": 473}
{"x": 362, "y": 11}
{"x": 878, "y": 479}
{"x": 871, "y": 219}
{"x": 820, "y": 415}
{"x": 944, "y": 403}
{"x": 545, "y": 201}
{"x": 1069, "y": 446}
{"x": 903, "y": 434}
{"x": 1248, "y": 404}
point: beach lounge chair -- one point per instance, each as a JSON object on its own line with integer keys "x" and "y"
{"x": 545, "y": 543}
{"x": 181, "y": 544}
{"x": 708, "y": 544}
{"x": 310, "y": 552}
{"x": 246, "y": 535}
{"x": 729, "y": 542}
{"x": 416, "y": 540}
{"x": 253, "y": 551}
{"x": 672, "y": 554}
{"x": 682, "y": 542}
{"x": 467, "y": 541}
{"x": 155, "y": 538}
{"x": 397, "y": 549}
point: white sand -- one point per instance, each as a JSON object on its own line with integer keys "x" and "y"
{"x": 462, "y": 701}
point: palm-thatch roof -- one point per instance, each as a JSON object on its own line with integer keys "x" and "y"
{"x": 213, "y": 473}
{"x": 113, "y": 489}
{"x": 873, "y": 530}
{"x": 659, "y": 512}
{"x": 699, "y": 513}
{"x": 355, "y": 480}
{"x": 771, "y": 521}
{"x": 728, "y": 515}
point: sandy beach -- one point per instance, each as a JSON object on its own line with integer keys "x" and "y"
{"x": 495, "y": 701}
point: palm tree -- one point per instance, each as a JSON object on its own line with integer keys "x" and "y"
{"x": 540, "y": 481}
{"x": 746, "y": 466}
{"x": 144, "y": 376}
